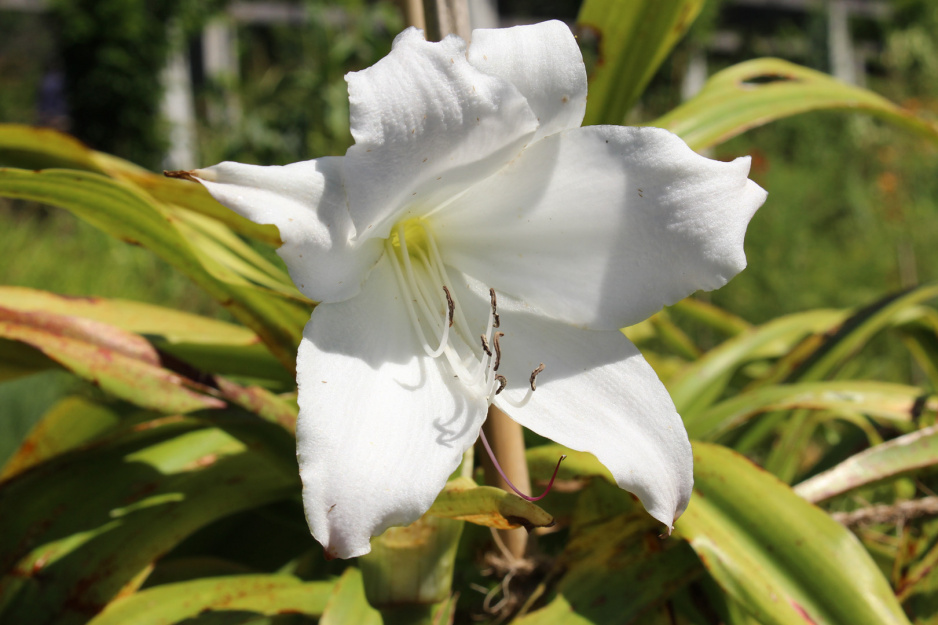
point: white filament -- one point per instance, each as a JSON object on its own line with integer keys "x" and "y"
{"x": 422, "y": 289}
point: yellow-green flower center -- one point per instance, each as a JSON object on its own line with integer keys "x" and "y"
{"x": 437, "y": 318}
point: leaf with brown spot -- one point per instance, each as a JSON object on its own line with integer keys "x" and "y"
{"x": 205, "y": 343}
{"x": 463, "y": 500}
{"x": 121, "y": 363}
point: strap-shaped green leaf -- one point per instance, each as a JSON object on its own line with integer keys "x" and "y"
{"x": 911, "y": 452}
{"x": 127, "y": 213}
{"x": 633, "y": 38}
{"x": 121, "y": 363}
{"x": 894, "y": 403}
{"x": 855, "y": 333}
{"x": 463, "y": 500}
{"x": 786, "y": 561}
{"x": 757, "y": 92}
{"x": 89, "y": 523}
{"x": 207, "y": 344}
{"x": 703, "y": 381}
{"x": 29, "y": 147}
{"x": 260, "y": 595}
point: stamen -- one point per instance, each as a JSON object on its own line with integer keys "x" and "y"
{"x": 528, "y": 393}
{"x": 449, "y": 305}
{"x": 495, "y": 323}
{"x": 498, "y": 467}
{"x": 485, "y": 345}
{"x": 421, "y": 274}
{"x": 437, "y": 265}
{"x": 498, "y": 350}
{"x": 402, "y": 282}
{"x": 414, "y": 292}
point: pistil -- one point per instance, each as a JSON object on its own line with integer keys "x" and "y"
{"x": 498, "y": 467}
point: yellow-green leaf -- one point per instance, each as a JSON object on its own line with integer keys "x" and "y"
{"x": 260, "y": 595}
{"x": 121, "y": 363}
{"x": 911, "y": 452}
{"x": 463, "y": 500}
{"x": 208, "y": 344}
{"x": 786, "y": 561}
{"x": 757, "y": 92}
{"x": 124, "y": 211}
{"x": 632, "y": 40}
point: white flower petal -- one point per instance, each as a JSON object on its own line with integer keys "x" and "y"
{"x": 306, "y": 201}
{"x": 602, "y": 226}
{"x": 381, "y": 427}
{"x": 427, "y": 125}
{"x": 544, "y": 63}
{"x": 597, "y": 394}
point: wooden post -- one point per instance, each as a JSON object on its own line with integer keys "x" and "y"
{"x": 507, "y": 440}
{"x": 446, "y": 16}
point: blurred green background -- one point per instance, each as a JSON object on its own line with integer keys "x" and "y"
{"x": 852, "y": 204}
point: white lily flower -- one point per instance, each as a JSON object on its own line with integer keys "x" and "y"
{"x": 470, "y": 171}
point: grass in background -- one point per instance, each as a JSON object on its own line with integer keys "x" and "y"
{"x": 851, "y": 215}
{"x": 52, "y": 250}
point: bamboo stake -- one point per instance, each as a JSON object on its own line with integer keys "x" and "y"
{"x": 444, "y": 17}
{"x": 507, "y": 440}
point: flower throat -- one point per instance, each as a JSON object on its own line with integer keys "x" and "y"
{"x": 441, "y": 327}
{"x": 439, "y": 321}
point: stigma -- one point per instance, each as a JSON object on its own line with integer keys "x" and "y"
{"x": 438, "y": 320}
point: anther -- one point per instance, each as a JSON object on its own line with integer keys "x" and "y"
{"x": 450, "y": 305}
{"x": 502, "y": 383}
{"x": 498, "y": 350}
{"x": 485, "y": 345}
{"x": 534, "y": 373}
{"x": 495, "y": 320}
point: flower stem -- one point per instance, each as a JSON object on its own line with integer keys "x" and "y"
{"x": 413, "y": 13}
{"x": 507, "y": 441}
{"x": 446, "y": 16}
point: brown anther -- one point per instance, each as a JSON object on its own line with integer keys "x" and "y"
{"x": 495, "y": 320}
{"x": 181, "y": 175}
{"x": 534, "y": 373}
{"x": 498, "y": 350}
{"x": 502, "y": 383}
{"x": 485, "y": 346}
{"x": 450, "y": 305}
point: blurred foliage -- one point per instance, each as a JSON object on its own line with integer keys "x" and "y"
{"x": 863, "y": 225}
{"x": 44, "y": 237}
{"x": 26, "y": 49}
{"x": 292, "y": 90}
{"x": 110, "y": 51}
